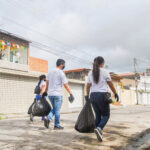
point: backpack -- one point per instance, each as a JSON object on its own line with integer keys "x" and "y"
{"x": 37, "y": 89}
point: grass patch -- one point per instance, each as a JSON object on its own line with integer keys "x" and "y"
{"x": 0, "y": 118}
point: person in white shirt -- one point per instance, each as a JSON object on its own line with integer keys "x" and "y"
{"x": 56, "y": 79}
{"x": 97, "y": 87}
{"x": 42, "y": 85}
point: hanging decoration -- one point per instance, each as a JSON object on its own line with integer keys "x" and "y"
{"x": 5, "y": 44}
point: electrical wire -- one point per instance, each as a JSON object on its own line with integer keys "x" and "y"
{"x": 42, "y": 34}
{"x": 57, "y": 53}
{"x": 62, "y": 51}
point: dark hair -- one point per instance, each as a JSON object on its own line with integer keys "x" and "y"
{"x": 41, "y": 77}
{"x": 96, "y": 71}
{"x": 60, "y": 62}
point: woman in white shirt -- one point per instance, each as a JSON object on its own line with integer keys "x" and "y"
{"x": 42, "y": 85}
{"x": 97, "y": 85}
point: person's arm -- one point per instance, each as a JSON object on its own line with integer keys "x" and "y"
{"x": 42, "y": 89}
{"x": 71, "y": 97}
{"x": 47, "y": 85}
{"x": 67, "y": 88}
{"x": 88, "y": 86}
{"x": 111, "y": 85}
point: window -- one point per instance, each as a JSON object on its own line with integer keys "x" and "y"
{"x": 13, "y": 52}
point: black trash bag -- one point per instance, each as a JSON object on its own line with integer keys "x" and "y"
{"x": 30, "y": 108}
{"x": 86, "y": 120}
{"x": 41, "y": 107}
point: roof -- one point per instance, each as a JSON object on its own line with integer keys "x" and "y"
{"x": 77, "y": 70}
{"x": 113, "y": 75}
{"x": 127, "y": 74}
{"x": 13, "y": 35}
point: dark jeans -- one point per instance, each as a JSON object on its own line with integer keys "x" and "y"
{"x": 101, "y": 108}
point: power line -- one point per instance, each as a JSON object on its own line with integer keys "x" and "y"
{"x": 42, "y": 34}
{"x": 56, "y": 52}
{"x": 45, "y": 45}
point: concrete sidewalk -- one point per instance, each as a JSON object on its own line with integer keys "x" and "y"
{"x": 125, "y": 130}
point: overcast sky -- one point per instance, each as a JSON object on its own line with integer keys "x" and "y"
{"x": 118, "y": 30}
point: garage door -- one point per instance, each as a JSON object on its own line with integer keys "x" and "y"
{"x": 77, "y": 90}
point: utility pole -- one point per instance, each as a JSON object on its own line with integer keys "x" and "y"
{"x": 136, "y": 79}
{"x": 145, "y": 83}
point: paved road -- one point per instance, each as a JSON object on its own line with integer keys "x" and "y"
{"x": 126, "y": 130}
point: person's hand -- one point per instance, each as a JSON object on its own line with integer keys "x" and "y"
{"x": 87, "y": 98}
{"x": 44, "y": 94}
{"x": 116, "y": 97}
{"x": 71, "y": 98}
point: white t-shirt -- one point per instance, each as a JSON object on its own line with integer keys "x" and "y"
{"x": 102, "y": 85}
{"x": 57, "y": 79}
{"x": 41, "y": 84}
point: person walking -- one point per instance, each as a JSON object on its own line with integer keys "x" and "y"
{"x": 56, "y": 79}
{"x": 42, "y": 87}
{"x": 97, "y": 87}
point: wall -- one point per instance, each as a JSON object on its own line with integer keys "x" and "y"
{"x": 128, "y": 97}
{"x": 13, "y": 66}
{"x": 39, "y": 65}
{"x": 78, "y": 75}
{"x": 16, "y": 93}
{"x": 144, "y": 98}
{"x": 127, "y": 82}
{"x": 65, "y": 106}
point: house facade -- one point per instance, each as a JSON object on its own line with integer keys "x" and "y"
{"x": 144, "y": 89}
{"x": 18, "y": 74}
{"x": 131, "y": 96}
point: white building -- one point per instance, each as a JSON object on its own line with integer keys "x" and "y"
{"x": 144, "y": 89}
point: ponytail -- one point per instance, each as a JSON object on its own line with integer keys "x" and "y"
{"x": 41, "y": 78}
{"x": 96, "y": 71}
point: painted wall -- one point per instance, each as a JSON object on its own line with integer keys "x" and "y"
{"x": 128, "y": 97}
{"x": 36, "y": 64}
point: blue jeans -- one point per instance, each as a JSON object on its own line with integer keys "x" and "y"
{"x": 38, "y": 96}
{"x": 101, "y": 109}
{"x": 56, "y": 102}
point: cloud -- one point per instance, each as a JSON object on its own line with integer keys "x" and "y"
{"x": 118, "y": 30}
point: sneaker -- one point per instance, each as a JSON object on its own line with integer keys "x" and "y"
{"x": 98, "y": 133}
{"x": 31, "y": 117}
{"x": 46, "y": 123}
{"x": 58, "y": 128}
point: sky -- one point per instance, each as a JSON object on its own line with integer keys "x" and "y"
{"x": 80, "y": 30}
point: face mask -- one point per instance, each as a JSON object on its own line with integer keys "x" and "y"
{"x": 63, "y": 67}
